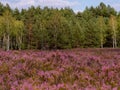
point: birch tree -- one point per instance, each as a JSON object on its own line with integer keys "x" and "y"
{"x": 102, "y": 30}
{"x": 7, "y": 27}
{"x": 10, "y": 27}
{"x": 113, "y": 27}
{"x": 18, "y": 32}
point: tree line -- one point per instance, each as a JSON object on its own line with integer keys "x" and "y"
{"x": 52, "y": 28}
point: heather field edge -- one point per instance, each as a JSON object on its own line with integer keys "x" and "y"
{"x": 75, "y": 69}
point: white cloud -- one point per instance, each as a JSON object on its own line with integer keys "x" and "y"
{"x": 58, "y": 3}
{"x": 19, "y": 4}
{"x": 50, "y": 3}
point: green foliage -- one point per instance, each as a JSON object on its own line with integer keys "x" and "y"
{"x": 102, "y": 30}
{"x": 10, "y": 28}
{"x": 49, "y": 28}
{"x": 113, "y": 28}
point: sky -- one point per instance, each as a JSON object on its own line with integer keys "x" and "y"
{"x": 76, "y": 5}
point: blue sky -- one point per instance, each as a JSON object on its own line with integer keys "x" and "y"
{"x": 76, "y": 5}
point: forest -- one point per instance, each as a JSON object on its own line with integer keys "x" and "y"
{"x": 53, "y": 28}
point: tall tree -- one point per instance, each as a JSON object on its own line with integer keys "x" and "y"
{"x": 10, "y": 27}
{"x": 118, "y": 28}
{"x": 102, "y": 30}
{"x": 18, "y": 32}
{"x": 8, "y": 23}
{"x": 113, "y": 26}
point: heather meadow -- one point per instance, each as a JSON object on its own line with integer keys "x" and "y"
{"x": 75, "y": 69}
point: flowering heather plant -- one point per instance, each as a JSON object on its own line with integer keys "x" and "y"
{"x": 77, "y": 69}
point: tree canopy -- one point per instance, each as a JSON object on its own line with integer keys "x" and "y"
{"x": 49, "y": 28}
